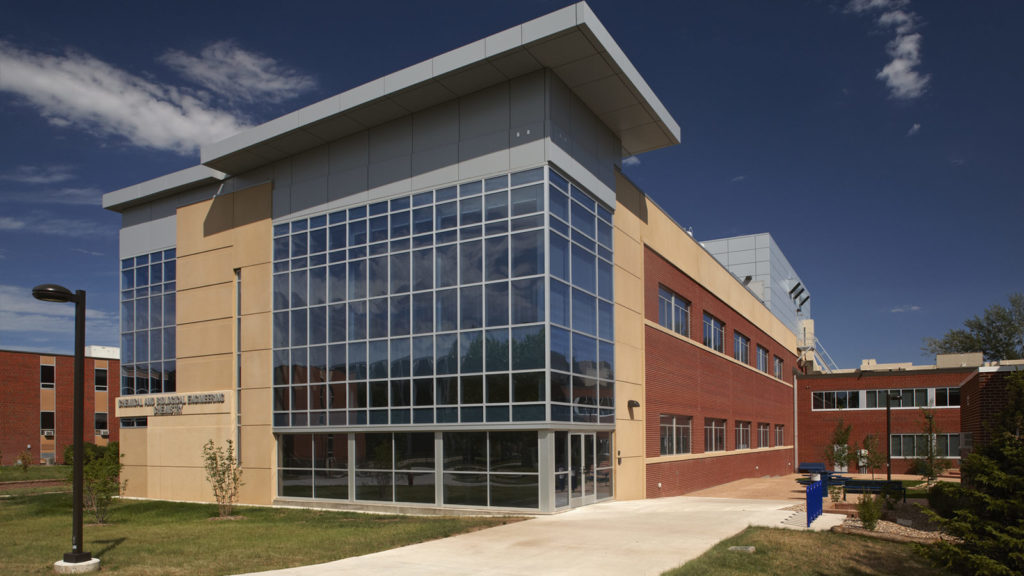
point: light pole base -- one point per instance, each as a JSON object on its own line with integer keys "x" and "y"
{"x": 65, "y": 567}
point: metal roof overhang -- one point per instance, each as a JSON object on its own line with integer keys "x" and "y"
{"x": 571, "y": 42}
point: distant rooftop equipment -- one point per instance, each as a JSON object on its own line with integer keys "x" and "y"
{"x": 106, "y": 352}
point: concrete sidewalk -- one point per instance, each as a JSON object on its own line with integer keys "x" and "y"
{"x": 634, "y": 537}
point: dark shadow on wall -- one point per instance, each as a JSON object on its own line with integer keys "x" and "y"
{"x": 237, "y": 209}
{"x": 630, "y": 197}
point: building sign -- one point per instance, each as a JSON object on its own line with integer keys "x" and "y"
{"x": 172, "y": 404}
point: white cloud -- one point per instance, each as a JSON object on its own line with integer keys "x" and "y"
{"x": 239, "y": 75}
{"x": 39, "y": 175}
{"x": 914, "y": 129}
{"x": 43, "y": 223}
{"x": 631, "y": 161}
{"x": 22, "y": 315}
{"x": 77, "y": 89}
{"x": 900, "y": 75}
{"x": 905, "y": 308}
{"x": 87, "y": 252}
{"x": 738, "y": 178}
{"x": 81, "y": 196}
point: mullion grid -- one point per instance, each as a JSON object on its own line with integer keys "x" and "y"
{"x": 148, "y": 280}
{"x": 286, "y": 231}
{"x": 601, "y": 410}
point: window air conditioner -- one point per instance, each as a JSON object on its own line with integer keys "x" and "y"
{"x": 48, "y": 433}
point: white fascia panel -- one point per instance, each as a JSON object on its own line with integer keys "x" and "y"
{"x": 503, "y": 41}
{"x": 168, "y": 183}
{"x": 549, "y": 24}
{"x": 407, "y": 77}
{"x": 459, "y": 58}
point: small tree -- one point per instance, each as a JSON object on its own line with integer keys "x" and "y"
{"x": 25, "y": 459}
{"x": 224, "y": 475}
{"x": 989, "y": 522}
{"x": 837, "y": 453}
{"x": 101, "y": 473}
{"x": 930, "y": 464}
{"x": 874, "y": 457}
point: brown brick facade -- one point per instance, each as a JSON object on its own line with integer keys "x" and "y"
{"x": 21, "y": 403}
{"x": 816, "y": 426}
{"x": 982, "y": 399}
{"x": 685, "y": 378}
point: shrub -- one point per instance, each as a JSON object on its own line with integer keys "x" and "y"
{"x": 224, "y": 475}
{"x": 944, "y": 498}
{"x": 25, "y": 460}
{"x": 101, "y": 474}
{"x": 869, "y": 509}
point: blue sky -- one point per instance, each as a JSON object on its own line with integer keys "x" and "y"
{"x": 878, "y": 141}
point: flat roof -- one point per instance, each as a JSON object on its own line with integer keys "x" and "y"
{"x": 571, "y": 41}
{"x": 162, "y": 186}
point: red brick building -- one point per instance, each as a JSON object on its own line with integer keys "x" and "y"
{"x": 719, "y": 378}
{"x": 857, "y": 397}
{"x": 36, "y": 402}
{"x": 982, "y": 399}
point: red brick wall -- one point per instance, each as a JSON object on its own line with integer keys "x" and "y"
{"x": 982, "y": 399}
{"x": 19, "y": 403}
{"x": 684, "y": 378}
{"x": 816, "y": 426}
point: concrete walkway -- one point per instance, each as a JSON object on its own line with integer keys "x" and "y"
{"x": 635, "y": 537}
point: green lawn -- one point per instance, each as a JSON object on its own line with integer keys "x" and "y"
{"x": 15, "y": 473}
{"x": 148, "y": 538}
{"x": 794, "y": 553}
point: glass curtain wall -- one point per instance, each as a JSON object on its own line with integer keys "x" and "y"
{"x": 147, "y": 323}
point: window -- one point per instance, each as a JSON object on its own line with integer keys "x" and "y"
{"x": 764, "y": 432}
{"x": 46, "y": 422}
{"x": 916, "y": 445}
{"x": 780, "y": 435}
{"x": 742, "y": 435}
{"x": 741, "y": 347}
{"x": 836, "y": 400}
{"x": 908, "y": 398}
{"x": 778, "y": 367}
{"x": 673, "y": 311}
{"x": 947, "y": 397}
{"x": 714, "y": 333}
{"x": 46, "y": 376}
{"x": 100, "y": 379}
{"x": 141, "y": 422}
{"x": 100, "y": 422}
{"x": 762, "y": 358}
{"x": 675, "y": 434}
{"x": 714, "y": 435}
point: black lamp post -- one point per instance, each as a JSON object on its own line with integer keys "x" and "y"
{"x": 56, "y": 293}
{"x": 889, "y": 397}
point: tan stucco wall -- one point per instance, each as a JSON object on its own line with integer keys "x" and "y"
{"x": 214, "y": 239}
{"x": 639, "y": 222}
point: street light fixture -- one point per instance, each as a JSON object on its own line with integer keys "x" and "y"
{"x": 57, "y": 293}
{"x": 889, "y": 397}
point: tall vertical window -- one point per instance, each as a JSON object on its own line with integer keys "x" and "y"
{"x": 764, "y": 434}
{"x": 46, "y": 375}
{"x": 100, "y": 379}
{"x": 714, "y": 333}
{"x": 780, "y": 435}
{"x": 778, "y": 368}
{"x": 762, "y": 358}
{"x": 742, "y": 435}
{"x": 714, "y": 434}
{"x": 148, "y": 311}
{"x": 673, "y": 311}
{"x": 46, "y": 422}
{"x": 100, "y": 422}
{"x": 741, "y": 347}
{"x": 675, "y": 434}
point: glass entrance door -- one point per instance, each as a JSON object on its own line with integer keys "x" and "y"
{"x": 581, "y": 469}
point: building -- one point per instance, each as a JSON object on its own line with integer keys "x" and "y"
{"x": 438, "y": 290}
{"x": 983, "y": 398}
{"x": 858, "y": 398}
{"x": 37, "y": 399}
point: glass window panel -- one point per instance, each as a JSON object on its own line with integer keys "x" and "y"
{"x": 378, "y": 276}
{"x": 528, "y": 301}
{"x": 528, "y": 387}
{"x": 528, "y": 349}
{"x": 423, "y": 392}
{"x": 357, "y": 279}
{"x": 469, "y": 262}
{"x": 379, "y": 392}
{"x": 357, "y": 233}
{"x": 606, "y": 320}
{"x": 300, "y": 244}
{"x": 318, "y": 325}
{"x": 465, "y": 451}
{"x": 514, "y": 451}
{"x": 446, "y": 215}
{"x": 357, "y": 397}
{"x": 423, "y": 269}
{"x": 527, "y": 200}
{"x": 448, "y": 390}
{"x": 604, "y": 279}
{"x": 280, "y": 330}
{"x": 357, "y": 320}
{"x": 497, "y": 388}
{"x": 399, "y": 273}
{"x": 317, "y": 286}
{"x": 281, "y": 291}
{"x": 141, "y": 314}
{"x": 471, "y": 306}
{"x": 584, "y": 355}
{"x": 496, "y": 263}
{"x": 318, "y": 241}
{"x": 447, "y": 310}
{"x": 378, "y": 318}
{"x": 471, "y": 356}
{"x": 472, "y": 390}
{"x": 447, "y": 266}
{"x": 423, "y": 313}
{"x": 527, "y": 253}
{"x": 921, "y": 397}
{"x": 400, "y": 315}
{"x": 470, "y": 211}
{"x": 496, "y": 205}
{"x": 559, "y": 303}
{"x": 496, "y": 304}
{"x": 299, "y": 289}
{"x": 169, "y": 345}
{"x": 447, "y": 354}
{"x": 423, "y": 356}
{"x": 584, "y": 312}
{"x": 298, "y": 327}
{"x": 336, "y": 367}
{"x": 337, "y": 321}
{"x": 400, "y": 393}
{"x": 378, "y": 229}
{"x": 497, "y": 349}
{"x": 559, "y": 256}
{"x": 423, "y": 220}
{"x": 583, "y": 268}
